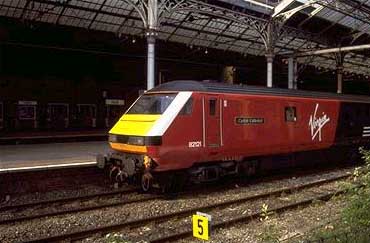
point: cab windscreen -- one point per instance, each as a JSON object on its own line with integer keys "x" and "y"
{"x": 152, "y": 104}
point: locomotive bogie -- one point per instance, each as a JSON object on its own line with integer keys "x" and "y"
{"x": 125, "y": 167}
{"x": 213, "y": 171}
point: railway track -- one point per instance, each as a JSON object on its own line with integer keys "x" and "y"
{"x": 22, "y": 215}
{"x": 64, "y": 199}
{"x": 248, "y": 217}
{"x": 48, "y": 180}
{"x": 219, "y": 206}
{"x": 68, "y": 200}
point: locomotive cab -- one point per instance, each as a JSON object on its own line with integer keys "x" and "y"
{"x": 229, "y": 130}
{"x": 136, "y": 136}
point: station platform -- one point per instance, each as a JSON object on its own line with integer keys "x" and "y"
{"x": 31, "y": 137}
{"x": 32, "y": 157}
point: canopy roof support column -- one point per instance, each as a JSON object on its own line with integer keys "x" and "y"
{"x": 152, "y": 15}
{"x": 339, "y": 60}
{"x": 151, "y": 61}
{"x": 292, "y": 73}
{"x": 270, "y": 34}
{"x": 150, "y": 12}
{"x": 270, "y": 60}
{"x": 339, "y": 79}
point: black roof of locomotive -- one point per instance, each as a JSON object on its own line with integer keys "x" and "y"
{"x": 213, "y": 87}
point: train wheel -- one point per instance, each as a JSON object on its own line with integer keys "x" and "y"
{"x": 173, "y": 183}
{"x": 117, "y": 176}
{"x": 250, "y": 168}
{"x": 146, "y": 182}
{"x": 113, "y": 172}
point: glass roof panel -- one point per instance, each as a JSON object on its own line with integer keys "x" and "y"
{"x": 207, "y": 30}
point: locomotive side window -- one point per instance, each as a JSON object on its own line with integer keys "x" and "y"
{"x": 290, "y": 114}
{"x": 188, "y": 107}
{"x": 212, "y": 107}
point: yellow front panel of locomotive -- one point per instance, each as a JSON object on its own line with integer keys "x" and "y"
{"x": 138, "y": 124}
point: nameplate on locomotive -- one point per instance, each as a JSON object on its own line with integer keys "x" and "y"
{"x": 249, "y": 120}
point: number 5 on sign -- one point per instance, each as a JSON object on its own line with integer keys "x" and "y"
{"x": 201, "y": 225}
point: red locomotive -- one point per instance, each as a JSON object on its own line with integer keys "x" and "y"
{"x": 202, "y": 131}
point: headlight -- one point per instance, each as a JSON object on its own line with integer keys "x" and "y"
{"x": 112, "y": 138}
{"x": 135, "y": 140}
{"x": 147, "y": 162}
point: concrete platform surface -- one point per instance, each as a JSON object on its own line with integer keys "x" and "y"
{"x": 51, "y": 134}
{"x": 15, "y": 158}
{"x": 36, "y": 137}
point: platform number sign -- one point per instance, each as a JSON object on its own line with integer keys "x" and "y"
{"x": 201, "y": 225}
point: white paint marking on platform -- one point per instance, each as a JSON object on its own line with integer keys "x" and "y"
{"x": 365, "y": 131}
{"x": 56, "y": 136}
{"x": 366, "y": 127}
{"x": 366, "y": 135}
{"x": 43, "y": 167}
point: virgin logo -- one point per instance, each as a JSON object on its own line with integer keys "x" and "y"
{"x": 317, "y": 123}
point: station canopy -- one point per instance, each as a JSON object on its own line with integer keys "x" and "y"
{"x": 231, "y": 25}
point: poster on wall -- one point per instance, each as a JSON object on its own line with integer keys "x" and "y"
{"x": 26, "y": 110}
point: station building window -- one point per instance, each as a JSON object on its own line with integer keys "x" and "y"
{"x": 290, "y": 114}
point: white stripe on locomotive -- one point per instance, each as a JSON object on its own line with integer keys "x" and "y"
{"x": 161, "y": 125}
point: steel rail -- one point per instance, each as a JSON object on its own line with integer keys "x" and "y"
{"x": 77, "y": 210}
{"x": 67, "y": 199}
{"x": 142, "y": 221}
{"x": 249, "y": 217}
{"x": 64, "y": 199}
